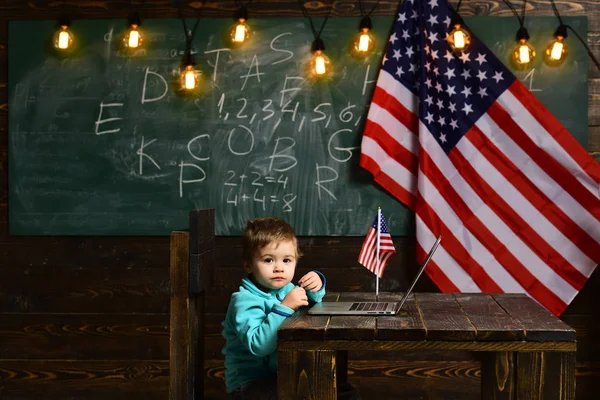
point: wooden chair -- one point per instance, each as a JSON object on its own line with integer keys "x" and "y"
{"x": 191, "y": 264}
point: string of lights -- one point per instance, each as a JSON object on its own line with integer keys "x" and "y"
{"x": 240, "y": 31}
{"x": 189, "y": 76}
{"x": 62, "y": 39}
{"x": 361, "y": 45}
{"x": 557, "y": 50}
{"x": 133, "y": 39}
{"x": 364, "y": 42}
{"x": 319, "y": 65}
{"x": 524, "y": 53}
{"x": 458, "y": 39}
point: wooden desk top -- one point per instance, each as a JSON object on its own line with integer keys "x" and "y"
{"x": 437, "y": 317}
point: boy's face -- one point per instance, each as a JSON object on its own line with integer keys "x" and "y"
{"x": 273, "y": 265}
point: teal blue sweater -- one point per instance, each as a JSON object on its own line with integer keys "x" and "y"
{"x": 250, "y": 329}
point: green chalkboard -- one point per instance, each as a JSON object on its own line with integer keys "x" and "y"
{"x": 101, "y": 144}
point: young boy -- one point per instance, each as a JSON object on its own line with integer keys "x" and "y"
{"x": 265, "y": 299}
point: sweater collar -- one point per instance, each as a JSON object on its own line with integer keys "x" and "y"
{"x": 251, "y": 287}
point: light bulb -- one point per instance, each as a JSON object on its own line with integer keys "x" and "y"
{"x": 320, "y": 65}
{"x": 523, "y": 54}
{"x": 132, "y": 38}
{"x": 63, "y": 38}
{"x": 240, "y": 32}
{"x": 459, "y": 39}
{"x": 556, "y": 52}
{"x": 190, "y": 78}
{"x": 320, "y": 68}
{"x": 363, "y": 43}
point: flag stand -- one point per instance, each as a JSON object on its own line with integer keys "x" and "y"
{"x": 377, "y": 254}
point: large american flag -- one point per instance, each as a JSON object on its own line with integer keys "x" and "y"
{"x": 369, "y": 256}
{"x": 463, "y": 143}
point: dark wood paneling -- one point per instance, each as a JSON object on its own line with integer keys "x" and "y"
{"x": 84, "y": 336}
{"x": 93, "y": 290}
{"x": 22, "y": 252}
{"x": 412, "y": 380}
{"x": 89, "y": 380}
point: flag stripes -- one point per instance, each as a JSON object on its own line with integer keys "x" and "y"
{"x": 514, "y": 196}
{"x": 373, "y": 255}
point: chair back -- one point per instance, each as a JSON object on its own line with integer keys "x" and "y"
{"x": 191, "y": 264}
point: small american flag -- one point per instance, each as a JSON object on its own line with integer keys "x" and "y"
{"x": 369, "y": 255}
{"x": 465, "y": 145}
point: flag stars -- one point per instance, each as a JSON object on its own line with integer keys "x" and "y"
{"x": 481, "y": 58}
{"x": 482, "y": 92}
{"x": 429, "y": 117}
{"x": 428, "y": 66}
{"x": 498, "y": 76}
{"x": 397, "y": 55}
{"x": 449, "y": 73}
{"x": 450, "y": 90}
{"x": 393, "y": 38}
{"x": 433, "y": 4}
{"x": 464, "y": 57}
{"x": 433, "y": 37}
{"x": 428, "y": 83}
{"x": 452, "y": 107}
{"x": 438, "y": 87}
{"x": 402, "y": 17}
{"x": 434, "y": 55}
{"x": 440, "y": 104}
{"x": 414, "y": 15}
{"x": 405, "y": 34}
{"x": 443, "y": 138}
{"x": 466, "y": 74}
{"x": 481, "y": 75}
{"x": 442, "y": 121}
{"x": 409, "y": 51}
{"x": 432, "y": 19}
{"x": 466, "y": 92}
{"x": 449, "y": 56}
{"x": 436, "y": 71}
{"x": 384, "y": 59}
{"x": 454, "y": 123}
{"x": 467, "y": 108}
{"x": 447, "y": 21}
{"x": 399, "y": 72}
{"x": 429, "y": 100}
{"x": 413, "y": 68}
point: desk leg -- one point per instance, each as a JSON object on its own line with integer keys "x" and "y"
{"x": 498, "y": 376}
{"x": 306, "y": 375}
{"x": 341, "y": 363}
{"x": 545, "y": 375}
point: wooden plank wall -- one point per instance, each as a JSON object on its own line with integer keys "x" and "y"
{"x": 87, "y": 317}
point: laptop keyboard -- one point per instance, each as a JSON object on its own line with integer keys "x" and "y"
{"x": 368, "y": 306}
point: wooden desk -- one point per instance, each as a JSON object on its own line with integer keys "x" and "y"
{"x": 530, "y": 354}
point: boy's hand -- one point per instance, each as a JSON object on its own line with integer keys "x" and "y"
{"x": 295, "y": 299}
{"x": 311, "y": 281}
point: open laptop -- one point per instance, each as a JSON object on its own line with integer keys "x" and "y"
{"x": 371, "y": 308}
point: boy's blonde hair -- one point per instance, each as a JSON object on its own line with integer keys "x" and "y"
{"x": 260, "y": 232}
